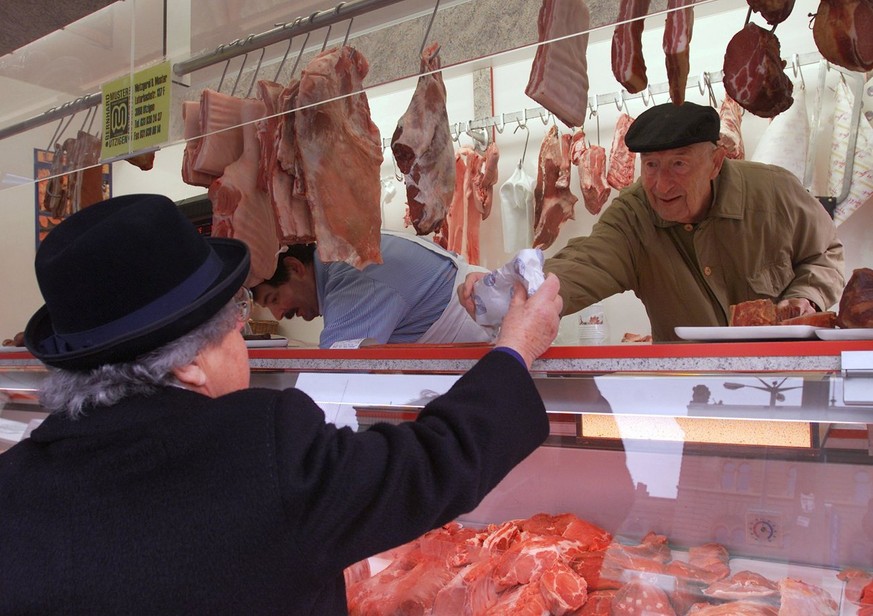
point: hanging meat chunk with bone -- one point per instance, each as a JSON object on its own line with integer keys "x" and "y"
{"x": 554, "y": 203}
{"x": 677, "y": 41}
{"x": 559, "y": 75}
{"x": 754, "y": 73}
{"x": 843, "y": 33}
{"x": 341, "y": 154}
{"x": 422, "y": 147}
{"x": 773, "y": 11}
{"x": 628, "y": 64}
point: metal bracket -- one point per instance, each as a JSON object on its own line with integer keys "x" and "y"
{"x": 857, "y": 372}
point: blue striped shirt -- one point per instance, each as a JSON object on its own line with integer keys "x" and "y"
{"x": 395, "y": 301}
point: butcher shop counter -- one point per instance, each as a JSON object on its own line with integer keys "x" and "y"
{"x": 763, "y": 448}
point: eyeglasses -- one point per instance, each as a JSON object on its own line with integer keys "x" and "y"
{"x": 243, "y": 299}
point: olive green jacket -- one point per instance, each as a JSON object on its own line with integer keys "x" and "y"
{"x": 764, "y": 237}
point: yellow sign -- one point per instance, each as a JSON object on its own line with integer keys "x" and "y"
{"x": 138, "y": 117}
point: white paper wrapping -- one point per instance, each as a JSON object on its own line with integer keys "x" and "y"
{"x": 862, "y": 171}
{"x": 492, "y": 293}
{"x": 786, "y": 139}
{"x": 516, "y": 209}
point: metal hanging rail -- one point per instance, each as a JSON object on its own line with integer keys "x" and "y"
{"x": 282, "y": 32}
{"x": 55, "y": 113}
{"x": 302, "y": 25}
{"x": 618, "y": 98}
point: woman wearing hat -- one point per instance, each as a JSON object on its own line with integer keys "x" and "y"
{"x": 697, "y": 233}
{"x": 161, "y": 484}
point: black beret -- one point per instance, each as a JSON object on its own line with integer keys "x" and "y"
{"x": 668, "y": 126}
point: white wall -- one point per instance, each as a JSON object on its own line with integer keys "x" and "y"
{"x": 713, "y": 28}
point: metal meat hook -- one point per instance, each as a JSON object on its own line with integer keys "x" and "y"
{"x": 526, "y": 138}
{"x": 429, "y": 24}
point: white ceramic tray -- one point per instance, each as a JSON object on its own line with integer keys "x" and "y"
{"x": 758, "y": 332}
{"x": 861, "y": 333}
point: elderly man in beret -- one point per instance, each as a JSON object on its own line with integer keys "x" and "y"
{"x": 698, "y": 233}
{"x": 162, "y": 484}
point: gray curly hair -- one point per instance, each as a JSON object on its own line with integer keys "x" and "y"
{"x": 69, "y": 391}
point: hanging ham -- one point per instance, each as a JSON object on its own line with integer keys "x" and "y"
{"x": 754, "y": 72}
{"x": 422, "y": 147}
{"x": 843, "y": 33}
{"x": 340, "y": 154}
{"x": 628, "y": 64}
{"x": 559, "y": 74}
{"x": 553, "y": 202}
{"x": 621, "y": 160}
{"x": 676, "y": 45}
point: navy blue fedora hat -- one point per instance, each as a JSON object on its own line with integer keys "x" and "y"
{"x": 124, "y": 277}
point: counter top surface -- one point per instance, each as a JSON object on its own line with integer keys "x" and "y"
{"x": 795, "y": 355}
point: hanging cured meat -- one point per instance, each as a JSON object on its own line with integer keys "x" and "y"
{"x": 241, "y": 209}
{"x": 292, "y": 211}
{"x": 553, "y": 202}
{"x": 191, "y": 132}
{"x": 222, "y": 141}
{"x": 486, "y": 180}
{"x": 676, "y": 44}
{"x": 465, "y": 215}
{"x": 843, "y": 33}
{"x": 621, "y": 160}
{"x": 754, "y": 72}
{"x": 773, "y": 11}
{"x": 590, "y": 161}
{"x": 628, "y": 64}
{"x": 422, "y": 147}
{"x": 559, "y": 75}
{"x": 340, "y": 153}
{"x": 730, "y": 133}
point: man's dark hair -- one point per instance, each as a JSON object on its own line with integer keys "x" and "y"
{"x": 302, "y": 252}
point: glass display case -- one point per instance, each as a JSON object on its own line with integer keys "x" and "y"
{"x": 761, "y": 448}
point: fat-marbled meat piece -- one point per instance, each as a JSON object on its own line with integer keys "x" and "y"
{"x": 559, "y": 74}
{"x": 842, "y": 32}
{"x": 554, "y": 204}
{"x": 422, "y": 147}
{"x": 628, "y": 64}
{"x": 730, "y": 131}
{"x": 341, "y": 153}
{"x": 677, "y": 41}
{"x": 754, "y": 73}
